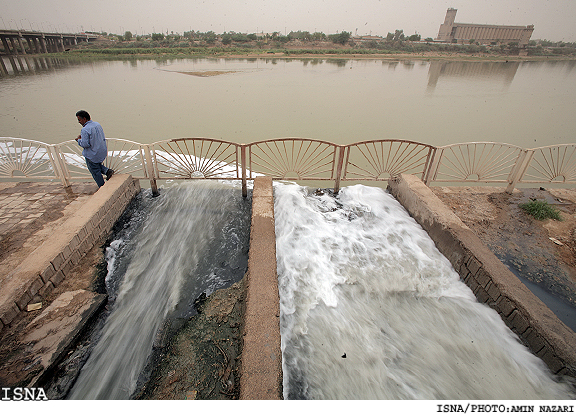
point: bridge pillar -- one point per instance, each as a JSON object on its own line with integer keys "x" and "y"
{"x": 3, "y": 67}
{"x": 37, "y": 45}
{"x": 6, "y": 47}
{"x": 21, "y": 44}
{"x": 43, "y": 44}
{"x": 60, "y": 44}
{"x": 14, "y": 47}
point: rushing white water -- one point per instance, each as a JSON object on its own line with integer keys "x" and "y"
{"x": 164, "y": 267}
{"x": 370, "y": 309}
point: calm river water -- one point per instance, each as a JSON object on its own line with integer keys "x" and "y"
{"x": 529, "y": 104}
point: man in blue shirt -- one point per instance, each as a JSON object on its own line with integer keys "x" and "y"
{"x": 93, "y": 141}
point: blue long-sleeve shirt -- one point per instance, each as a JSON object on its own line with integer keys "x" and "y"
{"x": 93, "y": 141}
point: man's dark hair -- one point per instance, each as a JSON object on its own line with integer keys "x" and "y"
{"x": 83, "y": 114}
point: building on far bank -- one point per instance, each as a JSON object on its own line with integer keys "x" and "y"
{"x": 482, "y": 33}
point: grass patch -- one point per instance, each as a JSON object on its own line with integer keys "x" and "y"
{"x": 541, "y": 210}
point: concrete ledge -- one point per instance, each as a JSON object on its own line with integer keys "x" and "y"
{"x": 58, "y": 326}
{"x": 47, "y": 266}
{"x": 261, "y": 373}
{"x": 490, "y": 280}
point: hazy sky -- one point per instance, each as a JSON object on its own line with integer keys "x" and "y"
{"x": 552, "y": 19}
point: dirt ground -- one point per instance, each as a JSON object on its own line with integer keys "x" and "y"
{"x": 202, "y": 361}
{"x": 544, "y": 252}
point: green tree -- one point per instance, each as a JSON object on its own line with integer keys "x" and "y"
{"x": 341, "y": 38}
{"x": 414, "y": 38}
{"x": 398, "y": 35}
{"x": 128, "y": 35}
{"x": 239, "y": 37}
{"x": 226, "y": 39}
{"x": 157, "y": 36}
{"x": 209, "y": 37}
{"x": 318, "y": 36}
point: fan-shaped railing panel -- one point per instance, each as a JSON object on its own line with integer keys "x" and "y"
{"x": 293, "y": 159}
{"x": 124, "y": 156}
{"x": 196, "y": 158}
{"x": 552, "y": 164}
{"x": 476, "y": 163}
{"x": 383, "y": 159}
{"x": 21, "y": 158}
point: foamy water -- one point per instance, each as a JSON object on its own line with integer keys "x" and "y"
{"x": 370, "y": 309}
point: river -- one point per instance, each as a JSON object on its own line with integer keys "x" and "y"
{"x": 528, "y": 104}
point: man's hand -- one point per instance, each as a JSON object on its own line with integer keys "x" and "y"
{"x": 78, "y": 138}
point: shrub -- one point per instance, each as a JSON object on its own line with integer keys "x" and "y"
{"x": 540, "y": 209}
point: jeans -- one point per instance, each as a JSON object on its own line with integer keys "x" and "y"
{"x": 97, "y": 170}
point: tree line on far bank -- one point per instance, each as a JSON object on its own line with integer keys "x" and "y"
{"x": 394, "y": 42}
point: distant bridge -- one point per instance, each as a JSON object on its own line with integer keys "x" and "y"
{"x": 15, "y": 41}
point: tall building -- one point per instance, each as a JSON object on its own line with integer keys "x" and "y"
{"x": 482, "y": 33}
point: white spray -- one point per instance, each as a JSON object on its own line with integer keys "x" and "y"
{"x": 370, "y": 309}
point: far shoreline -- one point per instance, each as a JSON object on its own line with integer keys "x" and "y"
{"x": 294, "y": 49}
{"x": 154, "y": 53}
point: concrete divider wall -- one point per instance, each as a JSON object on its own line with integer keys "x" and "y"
{"x": 490, "y": 280}
{"x": 49, "y": 264}
{"x": 261, "y": 371}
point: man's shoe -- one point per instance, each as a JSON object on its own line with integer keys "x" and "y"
{"x": 109, "y": 174}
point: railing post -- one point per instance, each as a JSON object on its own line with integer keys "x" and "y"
{"x": 150, "y": 170}
{"x": 243, "y": 166}
{"x": 433, "y": 167}
{"x": 339, "y": 168}
{"x": 519, "y": 169}
{"x": 58, "y": 164}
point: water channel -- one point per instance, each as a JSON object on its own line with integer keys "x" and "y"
{"x": 370, "y": 309}
{"x": 189, "y": 241}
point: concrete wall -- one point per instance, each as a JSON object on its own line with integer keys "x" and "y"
{"x": 261, "y": 372}
{"x": 490, "y": 280}
{"x": 49, "y": 264}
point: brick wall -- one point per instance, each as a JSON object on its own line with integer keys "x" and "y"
{"x": 47, "y": 266}
{"x": 490, "y": 280}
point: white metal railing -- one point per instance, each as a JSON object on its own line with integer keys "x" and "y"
{"x": 27, "y": 158}
{"x": 552, "y": 164}
{"x": 295, "y": 159}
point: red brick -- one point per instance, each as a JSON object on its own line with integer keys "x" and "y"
{"x": 505, "y": 306}
{"x": 22, "y": 300}
{"x": 46, "y": 290}
{"x": 58, "y": 261}
{"x": 8, "y": 313}
{"x": 48, "y": 272}
{"x": 35, "y": 286}
{"x": 57, "y": 278}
